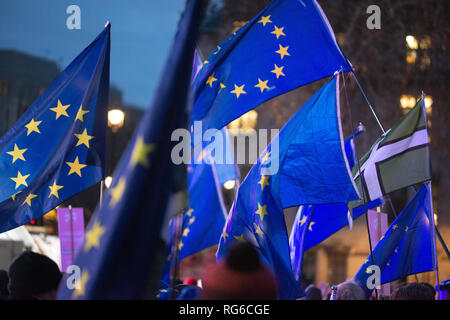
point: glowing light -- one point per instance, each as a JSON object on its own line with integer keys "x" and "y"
{"x": 229, "y": 184}
{"x": 108, "y": 181}
{"x": 116, "y": 118}
{"x": 411, "y": 42}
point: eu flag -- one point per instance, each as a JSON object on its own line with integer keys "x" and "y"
{"x": 119, "y": 258}
{"x": 313, "y": 224}
{"x": 56, "y": 149}
{"x": 204, "y": 220}
{"x": 407, "y": 247}
{"x": 312, "y": 169}
{"x": 288, "y": 44}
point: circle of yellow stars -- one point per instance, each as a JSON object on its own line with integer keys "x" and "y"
{"x": 239, "y": 89}
{"x": 33, "y": 127}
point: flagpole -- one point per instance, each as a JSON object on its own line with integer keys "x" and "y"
{"x": 218, "y": 187}
{"x": 175, "y": 254}
{"x": 359, "y": 172}
{"x": 441, "y": 240}
{"x": 433, "y": 238}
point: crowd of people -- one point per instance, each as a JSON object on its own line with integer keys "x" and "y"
{"x": 242, "y": 275}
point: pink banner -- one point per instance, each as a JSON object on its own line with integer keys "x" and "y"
{"x": 71, "y": 234}
{"x": 378, "y": 225}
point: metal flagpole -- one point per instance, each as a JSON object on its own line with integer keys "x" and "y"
{"x": 360, "y": 175}
{"x": 218, "y": 186}
{"x": 441, "y": 240}
{"x": 433, "y": 238}
{"x": 174, "y": 270}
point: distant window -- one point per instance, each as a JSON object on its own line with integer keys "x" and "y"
{"x": 3, "y": 88}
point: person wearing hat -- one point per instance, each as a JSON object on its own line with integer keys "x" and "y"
{"x": 241, "y": 275}
{"x": 33, "y": 276}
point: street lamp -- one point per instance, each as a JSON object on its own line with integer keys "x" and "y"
{"x": 108, "y": 181}
{"x": 229, "y": 184}
{"x": 116, "y": 118}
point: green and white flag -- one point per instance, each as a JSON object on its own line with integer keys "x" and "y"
{"x": 399, "y": 159}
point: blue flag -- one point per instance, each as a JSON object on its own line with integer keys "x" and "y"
{"x": 204, "y": 220}
{"x": 313, "y": 224}
{"x": 56, "y": 149}
{"x": 120, "y": 254}
{"x": 288, "y": 44}
{"x": 312, "y": 169}
{"x": 407, "y": 247}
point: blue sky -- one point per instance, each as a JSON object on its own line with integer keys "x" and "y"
{"x": 141, "y": 35}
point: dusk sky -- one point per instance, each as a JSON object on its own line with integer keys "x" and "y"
{"x": 141, "y": 35}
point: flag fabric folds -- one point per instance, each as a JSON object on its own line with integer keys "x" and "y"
{"x": 205, "y": 218}
{"x": 398, "y": 159}
{"x": 56, "y": 149}
{"x": 313, "y": 224}
{"x": 288, "y": 44}
{"x": 310, "y": 155}
{"x": 121, "y": 257}
{"x": 408, "y": 246}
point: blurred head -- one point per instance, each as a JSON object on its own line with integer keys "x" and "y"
{"x": 4, "y": 293}
{"x": 241, "y": 276}
{"x": 313, "y": 293}
{"x": 414, "y": 291}
{"x": 33, "y": 276}
{"x": 350, "y": 290}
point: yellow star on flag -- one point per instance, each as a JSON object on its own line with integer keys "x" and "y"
{"x": 224, "y": 233}
{"x": 239, "y": 238}
{"x": 14, "y": 195}
{"x": 278, "y": 71}
{"x": 28, "y": 199}
{"x": 191, "y": 220}
{"x": 265, "y": 20}
{"x": 222, "y": 86}
{"x": 140, "y": 152}
{"x": 61, "y": 110}
{"x": 394, "y": 227}
{"x": 189, "y": 212}
{"x": 83, "y": 138}
{"x": 310, "y": 225}
{"x": 406, "y": 229}
{"x": 20, "y": 179}
{"x": 218, "y": 49}
{"x": 17, "y": 153}
{"x": 32, "y": 126}
{"x": 81, "y": 113}
{"x": 80, "y": 288}
{"x": 210, "y": 80}
{"x": 262, "y": 211}
{"x": 258, "y": 229}
{"x": 283, "y": 51}
{"x": 262, "y": 85}
{"x": 117, "y": 192}
{"x": 93, "y": 236}
{"x": 180, "y": 245}
{"x": 278, "y": 31}
{"x": 54, "y": 190}
{"x": 266, "y": 156}
{"x": 238, "y": 90}
{"x": 185, "y": 232}
{"x": 75, "y": 167}
{"x": 303, "y": 220}
{"x": 264, "y": 181}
